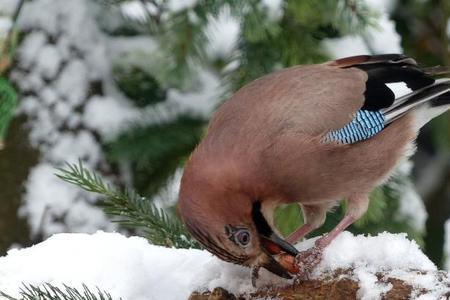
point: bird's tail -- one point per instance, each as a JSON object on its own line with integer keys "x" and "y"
{"x": 430, "y": 101}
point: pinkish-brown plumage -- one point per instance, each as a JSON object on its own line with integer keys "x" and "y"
{"x": 267, "y": 145}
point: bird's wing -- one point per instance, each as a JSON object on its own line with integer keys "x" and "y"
{"x": 381, "y": 106}
{"x": 345, "y": 100}
{"x": 310, "y": 99}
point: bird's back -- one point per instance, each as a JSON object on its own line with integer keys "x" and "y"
{"x": 304, "y": 99}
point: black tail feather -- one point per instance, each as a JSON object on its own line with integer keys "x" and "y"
{"x": 441, "y": 100}
{"x": 392, "y": 68}
{"x": 436, "y": 71}
{"x": 437, "y": 94}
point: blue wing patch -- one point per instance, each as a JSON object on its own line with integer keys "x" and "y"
{"x": 364, "y": 125}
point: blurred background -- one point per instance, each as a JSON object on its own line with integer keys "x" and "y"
{"x": 127, "y": 87}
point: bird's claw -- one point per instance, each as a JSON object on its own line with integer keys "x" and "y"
{"x": 307, "y": 261}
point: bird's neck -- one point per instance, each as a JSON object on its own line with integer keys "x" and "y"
{"x": 224, "y": 170}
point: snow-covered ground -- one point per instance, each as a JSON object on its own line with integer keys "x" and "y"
{"x": 135, "y": 270}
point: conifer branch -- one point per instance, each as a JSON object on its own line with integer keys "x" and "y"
{"x": 133, "y": 210}
{"x": 51, "y": 292}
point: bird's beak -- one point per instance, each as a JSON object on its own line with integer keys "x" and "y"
{"x": 268, "y": 262}
{"x": 272, "y": 245}
{"x": 275, "y": 245}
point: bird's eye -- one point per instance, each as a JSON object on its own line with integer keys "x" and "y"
{"x": 242, "y": 237}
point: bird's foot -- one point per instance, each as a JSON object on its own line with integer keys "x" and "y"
{"x": 307, "y": 261}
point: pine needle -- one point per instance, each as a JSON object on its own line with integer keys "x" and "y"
{"x": 132, "y": 210}
{"x": 50, "y": 292}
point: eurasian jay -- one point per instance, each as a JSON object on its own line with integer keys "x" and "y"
{"x": 312, "y": 134}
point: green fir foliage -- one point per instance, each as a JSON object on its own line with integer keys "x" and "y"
{"x": 8, "y": 103}
{"x": 156, "y": 151}
{"x": 288, "y": 218}
{"x": 296, "y": 37}
{"x": 138, "y": 85}
{"x": 131, "y": 209}
{"x": 50, "y": 292}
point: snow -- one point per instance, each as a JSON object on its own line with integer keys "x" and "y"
{"x": 130, "y": 268}
{"x": 369, "y": 286}
{"x": 48, "y": 61}
{"x": 177, "y": 5}
{"x": 58, "y": 64}
{"x": 29, "y": 49}
{"x": 448, "y": 28}
{"x": 386, "y": 251}
{"x": 5, "y": 25}
{"x": 107, "y": 115}
{"x": 68, "y": 119}
{"x": 168, "y": 196}
{"x": 72, "y": 84}
{"x": 447, "y": 245}
{"x": 134, "y": 10}
{"x": 121, "y": 114}
{"x": 379, "y": 39}
{"x": 223, "y": 33}
{"x": 385, "y": 6}
{"x": 126, "y": 267}
{"x": 58, "y": 201}
{"x": 384, "y": 38}
{"x": 71, "y": 147}
{"x": 391, "y": 255}
{"x": 412, "y": 207}
{"x": 345, "y": 46}
{"x": 7, "y": 7}
{"x": 202, "y": 102}
{"x": 274, "y": 9}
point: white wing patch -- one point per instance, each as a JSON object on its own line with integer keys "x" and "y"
{"x": 399, "y": 89}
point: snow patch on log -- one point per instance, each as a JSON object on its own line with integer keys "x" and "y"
{"x": 129, "y": 267}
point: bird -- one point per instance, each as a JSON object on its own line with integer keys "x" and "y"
{"x": 310, "y": 134}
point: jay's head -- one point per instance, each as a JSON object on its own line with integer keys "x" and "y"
{"x": 230, "y": 225}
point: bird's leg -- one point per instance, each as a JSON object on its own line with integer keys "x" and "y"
{"x": 299, "y": 233}
{"x": 309, "y": 259}
{"x": 314, "y": 217}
